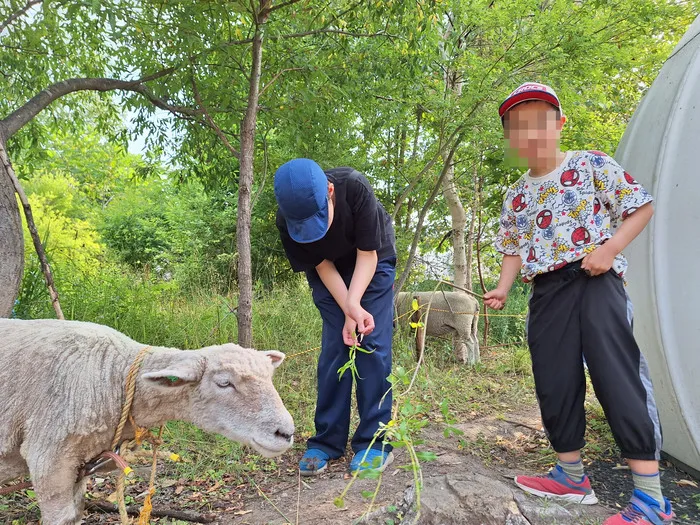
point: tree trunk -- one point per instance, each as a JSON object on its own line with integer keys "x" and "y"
{"x": 459, "y": 225}
{"x": 11, "y": 242}
{"x": 472, "y": 226}
{"x": 462, "y": 273}
{"x": 31, "y": 226}
{"x": 245, "y": 184}
{"x": 479, "y": 232}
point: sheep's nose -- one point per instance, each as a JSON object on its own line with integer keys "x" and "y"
{"x": 284, "y": 435}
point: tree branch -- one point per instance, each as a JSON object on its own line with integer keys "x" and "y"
{"x": 282, "y": 5}
{"x": 408, "y": 189}
{"x": 21, "y": 116}
{"x": 332, "y": 31}
{"x": 134, "y": 510}
{"x": 14, "y": 16}
{"x": 211, "y": 123}
{"x": 424, "y": 212}
{"x": 262, "y": 91}
{"x": 44, "y": 263}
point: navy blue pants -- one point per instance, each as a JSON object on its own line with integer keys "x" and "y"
{"x": 334, "y": 396}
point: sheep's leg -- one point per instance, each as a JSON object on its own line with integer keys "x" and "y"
{"x": 469, "y": 344}
{"x": 473, "y": 341}
{"x": 466, "y": 347}
{"x": 472, "y": 351}
{"x": 60, "y": 497}
{"x": 12, "y": 466}
{"x": 460, "y": 348}
{"x": 79, "y": 497}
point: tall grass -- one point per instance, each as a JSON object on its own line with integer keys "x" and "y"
{"x": 159, "y": 313}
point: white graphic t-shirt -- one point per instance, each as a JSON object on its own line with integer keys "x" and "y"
{"x": 559, "y": 218}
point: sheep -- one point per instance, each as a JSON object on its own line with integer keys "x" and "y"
{"x": 62, "y": 390}
{"x": 451, "y": 313}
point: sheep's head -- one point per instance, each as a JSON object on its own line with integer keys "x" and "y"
{"x": 231, "y": 393}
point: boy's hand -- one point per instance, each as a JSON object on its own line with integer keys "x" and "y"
{"x": 496, "y": 299}
{"x": 349, "y": 337}
{"x": 599, "y": 261}
{"x": 364, "y": 319}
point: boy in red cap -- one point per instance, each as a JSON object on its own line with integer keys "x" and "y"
{"x": 563, "y": 225}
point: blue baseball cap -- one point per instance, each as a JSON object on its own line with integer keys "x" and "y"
{"x": 301, "y": 190}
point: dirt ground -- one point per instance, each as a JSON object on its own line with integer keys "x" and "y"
{"x": 470, "y": 481}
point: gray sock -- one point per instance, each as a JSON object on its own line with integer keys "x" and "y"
{"x": 573, "y": 470}
{"x": 650, "y": 484}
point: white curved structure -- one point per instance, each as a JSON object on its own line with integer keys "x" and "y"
{"x": 661, "y": 149}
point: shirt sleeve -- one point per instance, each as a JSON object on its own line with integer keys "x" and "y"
{"x": 507, "y": 236}
{"x": 618, "y": 191}
{"x": 299, "y": 259}
{"x": 365, "y": 213}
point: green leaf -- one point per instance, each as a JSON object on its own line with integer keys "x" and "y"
{"x": 452, "y": 431}
{"x": 369, "y": 473}
{"x": 367, "y": 494}
{"x": 426, "y": 456}
{"x": 341, "y": 371}
{"x": 339, "y": 502}
{"x": 444, "y": 408}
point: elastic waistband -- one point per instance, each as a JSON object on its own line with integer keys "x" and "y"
{"x": 572, "y": 269}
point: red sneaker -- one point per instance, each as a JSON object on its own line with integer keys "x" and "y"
{"x": 643, "y": 510}
{"x": 558, "y": 486}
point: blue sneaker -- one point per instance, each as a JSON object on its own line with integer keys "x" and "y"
{"x": 643, "y": 510}
{"x": 371, "y": 458}
{"x": 313, "y": 462}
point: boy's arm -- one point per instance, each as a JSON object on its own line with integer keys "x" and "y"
{"x": 601, "y": 259}
{"x": 349, "y": 299}
{"x": 365, "y": 267}
{"x": 334, "y": 282}
{"x": 510, "y": 268}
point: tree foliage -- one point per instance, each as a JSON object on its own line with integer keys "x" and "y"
{"x": 367, "y": 84}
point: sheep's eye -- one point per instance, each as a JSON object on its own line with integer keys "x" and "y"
{"x": 225, "y": 383}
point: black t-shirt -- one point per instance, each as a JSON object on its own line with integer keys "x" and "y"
{"x": 360, "y": 222}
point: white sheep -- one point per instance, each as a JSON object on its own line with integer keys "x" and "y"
{"x": 62, "y": 390}
{"x": 451, "y": 313}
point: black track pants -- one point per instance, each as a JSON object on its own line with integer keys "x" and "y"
{"x": 574, "y": 316}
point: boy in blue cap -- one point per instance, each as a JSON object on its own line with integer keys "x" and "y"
{"x": 333, "y": 228}
{"x": 563, "y": 225}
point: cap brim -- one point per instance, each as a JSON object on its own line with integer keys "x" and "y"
{"x": 310, "y": 229}
{"x": 527, "y": 96}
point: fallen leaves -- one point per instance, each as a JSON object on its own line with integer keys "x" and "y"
{"x": 686, "y": 483}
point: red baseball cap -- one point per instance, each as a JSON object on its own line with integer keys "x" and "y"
{"x": 529, "y": 91}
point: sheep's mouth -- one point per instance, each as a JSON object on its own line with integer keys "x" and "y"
{"x": 269, "y": 451}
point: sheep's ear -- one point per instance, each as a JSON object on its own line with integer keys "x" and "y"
{"x": 188, "y": 371}
{"x": 275, "y": 356}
